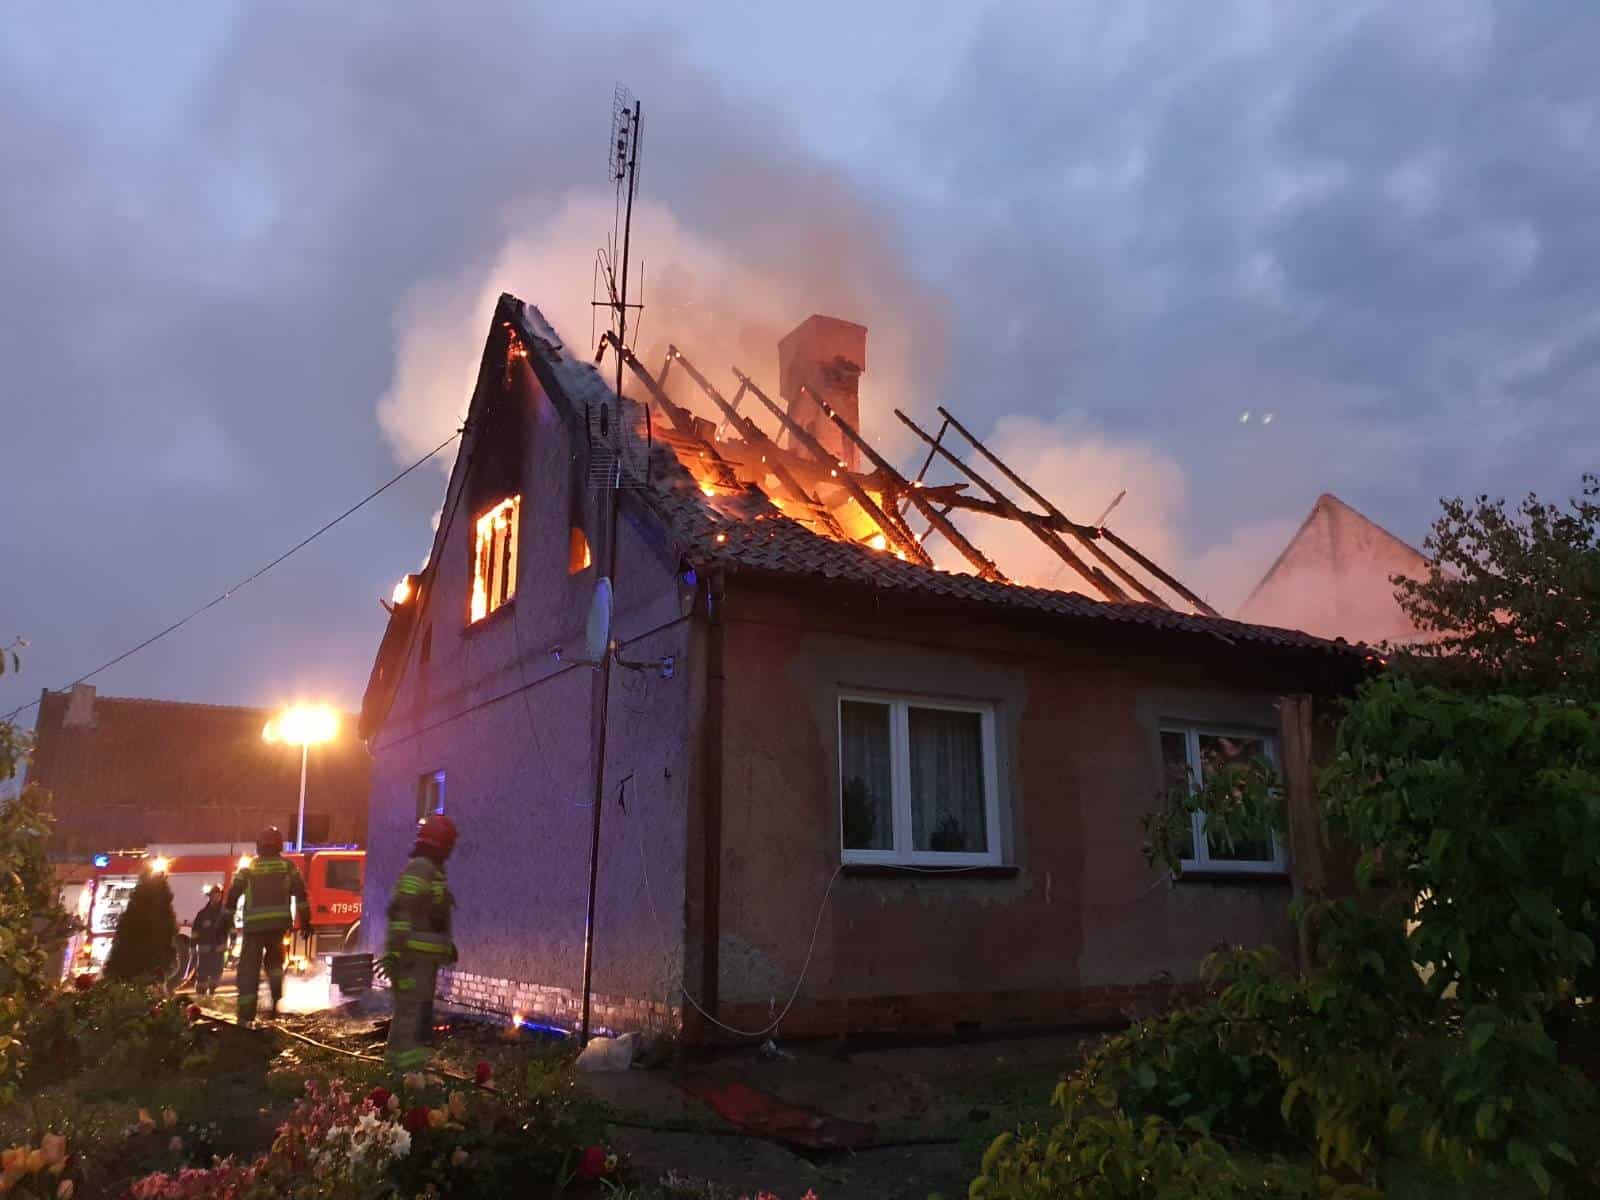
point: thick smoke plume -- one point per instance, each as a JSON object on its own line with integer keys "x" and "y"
{"x": 726, "y": 302}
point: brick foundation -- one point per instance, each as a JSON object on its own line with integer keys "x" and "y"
{"x": 937, "y": 1014}
{"x": 554, "y": 1005}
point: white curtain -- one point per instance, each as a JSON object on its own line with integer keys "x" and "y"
{"x": 865, "y": 789}
{"x": 947, "y": 808}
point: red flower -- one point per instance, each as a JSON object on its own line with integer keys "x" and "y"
{"x": 378, "y": 1097}
{"x": 482, "y": 1073}
{"x": 416, "y": 1119}
{"x": 593, "y": 1163}
{"x": 193, "y": 1012}
{"x": 83, "y": 982}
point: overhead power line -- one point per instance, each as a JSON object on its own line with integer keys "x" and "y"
{"x": 248, "y": 579}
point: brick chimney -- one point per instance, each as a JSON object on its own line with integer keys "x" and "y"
{"x": 827, "y": 355}
{"x": 80, "y": 707}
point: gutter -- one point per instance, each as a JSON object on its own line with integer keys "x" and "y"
{"x": 711, "y": 833}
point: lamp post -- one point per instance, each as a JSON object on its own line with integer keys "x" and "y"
{"x": 303, "y": 725}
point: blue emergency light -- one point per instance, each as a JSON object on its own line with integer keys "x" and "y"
{"x": 102, "y": 860}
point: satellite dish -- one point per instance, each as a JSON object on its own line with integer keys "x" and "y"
{"x": 597, "y": 635}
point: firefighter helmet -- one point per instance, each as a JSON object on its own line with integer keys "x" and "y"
{"x": 438, "y": 831}
{"x": 269, "y": 841}
{"x": 214, "y": 890}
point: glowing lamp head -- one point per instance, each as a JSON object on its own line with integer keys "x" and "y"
{"x": 402, "y": 590}
{"x": 244, "y": 861}
{"x": 160, "y": 864}
{"x": 303, "y": 725}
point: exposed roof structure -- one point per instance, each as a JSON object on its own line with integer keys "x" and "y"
{"x": 723, "y": 498}
{"x": 1333, "y": 578}
{"x": 124, "y": 771}
{"x": 783, "y": 504}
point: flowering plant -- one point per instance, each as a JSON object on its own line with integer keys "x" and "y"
{"x": 36, "y": 1170}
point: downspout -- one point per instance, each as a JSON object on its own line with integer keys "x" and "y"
{"x": 711, "y": 834}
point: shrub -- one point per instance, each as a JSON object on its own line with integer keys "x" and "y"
{"x": 121, "y": 1031}
{"x": 33, "y": 927}
{"x": 147, "y": 934}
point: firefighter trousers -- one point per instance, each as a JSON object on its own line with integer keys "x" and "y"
{"x": 207, "y": 968}
{"x": 259, "y": 946}
{"x": 411, "y": 1027}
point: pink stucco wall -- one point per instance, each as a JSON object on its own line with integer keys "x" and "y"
{"x": 1077, "y": 717}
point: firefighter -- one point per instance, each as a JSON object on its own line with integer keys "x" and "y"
{"x": 418, "y": 942}
{"x": 210, "y": 930}
{"x": 267, "y": 885}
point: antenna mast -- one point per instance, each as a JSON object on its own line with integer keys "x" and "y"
{"x": 623, "y": 156}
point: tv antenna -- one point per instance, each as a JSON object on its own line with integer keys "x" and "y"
{"x": 623, "y": 168}
{"x": 608, "y": 432}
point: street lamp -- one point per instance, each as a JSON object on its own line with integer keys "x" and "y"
{"x": 303, "y": 725}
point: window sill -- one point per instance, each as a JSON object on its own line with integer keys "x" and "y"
{"x": 898, "y": 870}
{"x": 492, "y": 618}
{"x": 1214, "y": 875}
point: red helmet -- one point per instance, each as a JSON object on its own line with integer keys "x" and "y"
{"x": 438, "y": 831}
{"x": 269, "y": 841}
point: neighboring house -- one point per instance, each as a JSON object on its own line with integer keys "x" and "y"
{"x": 909, "y": 796}
{"x": 124, "y": 773}
{"x": 1333, "y": 579}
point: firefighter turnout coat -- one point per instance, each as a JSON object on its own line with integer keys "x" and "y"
{"x": 267, "y": 886}
{"x": 419, "y": 913}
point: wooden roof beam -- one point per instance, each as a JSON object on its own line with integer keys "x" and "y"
{"x": 1087, "y": 542}
{"x": 907, "y": 544}
{"x": 936, "y": 519}
{"x": 756, "y": 436}
{"x": 1093, "y": 574}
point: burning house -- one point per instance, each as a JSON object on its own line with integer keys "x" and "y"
{"x": 842, "y": 789}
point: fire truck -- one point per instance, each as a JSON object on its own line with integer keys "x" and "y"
{"x": 334, "y": 876}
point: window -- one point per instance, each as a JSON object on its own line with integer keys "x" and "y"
{"x": 430, "y": 794}
{"x": 494, "y": 562}
{"x": 344, "y": 875}
{"x": 917, "y": 782}
{"x": 318, "y": 827}
{"x": 1191, "y": 753}
{"x": 578, "y": 558}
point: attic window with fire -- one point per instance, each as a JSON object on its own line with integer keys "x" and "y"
{"x": 494, "y": 559}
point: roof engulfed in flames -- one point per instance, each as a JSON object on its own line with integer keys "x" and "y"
{"x": 734, "y": 494}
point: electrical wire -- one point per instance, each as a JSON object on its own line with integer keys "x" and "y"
{"x": 248, "y": 579}
{"x": 816, "y": 927}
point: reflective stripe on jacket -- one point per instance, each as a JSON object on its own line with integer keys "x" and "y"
{"x": 267, "y": 886}
{"x": 419, "y": 913}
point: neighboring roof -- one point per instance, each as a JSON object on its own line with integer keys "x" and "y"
{"x": 122, "y": 771}
{"x": 746, "y": 530}
{"x": 1333, "y": 579}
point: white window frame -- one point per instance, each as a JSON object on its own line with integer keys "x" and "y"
{"x": 903, "y": 854}
{"x": 438, "y": 777}
{"x": 1192, "y": 731}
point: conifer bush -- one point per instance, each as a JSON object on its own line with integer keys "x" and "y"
{"x": 147, "y": 935}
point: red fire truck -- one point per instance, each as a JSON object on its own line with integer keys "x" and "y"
{"x": 333, "y": 875}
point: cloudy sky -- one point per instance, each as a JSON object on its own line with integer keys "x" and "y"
{"x": 246, "y": 254}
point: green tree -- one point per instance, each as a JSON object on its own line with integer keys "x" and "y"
{"x": 147, "y": 934}
{"x": 33, "y": 926}
{"x": 1512, "y": 602}
{"x": 1439, "y": 1033}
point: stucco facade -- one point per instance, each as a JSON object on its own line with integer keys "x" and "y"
{"x": 1074, "y": 926}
